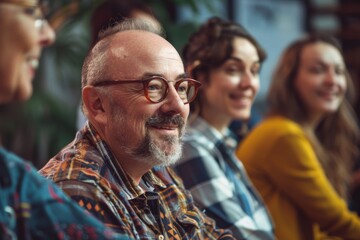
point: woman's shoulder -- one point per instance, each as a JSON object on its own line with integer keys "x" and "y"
{"x": 272, "y": 130}
{"x": 279, "y": 125}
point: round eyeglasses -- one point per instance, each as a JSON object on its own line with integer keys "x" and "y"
{"x": 157, "y": 88}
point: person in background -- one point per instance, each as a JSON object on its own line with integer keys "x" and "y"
{"x": 226, "y": 59}
{"x": 300, "y": 156}
{"x": 135, "y": 95}
{"x": 108, "y": 14}
{"x": 32, "y": 207}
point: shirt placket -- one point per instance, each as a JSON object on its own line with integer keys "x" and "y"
{"x": 149, "y": 212}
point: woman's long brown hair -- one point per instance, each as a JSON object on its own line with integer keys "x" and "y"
{"x": 335, "y": 139}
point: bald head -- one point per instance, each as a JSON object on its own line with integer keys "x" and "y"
{"x": 133, "y": 51}
{"x": 129, "y": 41}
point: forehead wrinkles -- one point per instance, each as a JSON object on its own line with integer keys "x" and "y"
{"x": 119, "y": 52}
{"x": 133, "y": 51}
{"x": 133, "y": 45}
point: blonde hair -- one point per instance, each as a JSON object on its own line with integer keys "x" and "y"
{"x": 335, "y": 138}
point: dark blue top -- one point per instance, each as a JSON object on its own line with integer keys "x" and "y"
{"x": 32, "y": 207}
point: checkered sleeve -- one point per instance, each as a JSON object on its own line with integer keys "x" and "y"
{"x": 202, "y": 174}
{"x": 206, "y": 226}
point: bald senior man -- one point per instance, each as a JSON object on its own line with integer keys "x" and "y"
{"x": 136, "y": 97}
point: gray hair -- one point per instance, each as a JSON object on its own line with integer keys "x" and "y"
{"x": 94, "y": 64}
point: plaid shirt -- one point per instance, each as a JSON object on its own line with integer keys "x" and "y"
{"x": 90, "y": 174}
{"x": 219, "y": 183}
{"x": 32, "y": 207}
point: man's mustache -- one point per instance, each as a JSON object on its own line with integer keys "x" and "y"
{"x": 158, "y": 121}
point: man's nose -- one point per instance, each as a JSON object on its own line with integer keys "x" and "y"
{"x": 173, "y": 102}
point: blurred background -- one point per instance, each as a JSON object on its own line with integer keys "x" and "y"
{"x": 39, "y": 128}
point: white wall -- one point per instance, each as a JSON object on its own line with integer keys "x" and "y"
{"x": 274, "y": 23}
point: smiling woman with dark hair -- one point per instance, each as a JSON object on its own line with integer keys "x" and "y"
{"x": 226, "y": 59}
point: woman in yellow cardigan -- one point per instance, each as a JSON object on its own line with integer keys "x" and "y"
{"x": 299, "y": 157}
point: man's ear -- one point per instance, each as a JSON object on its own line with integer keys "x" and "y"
{"x": 94, "y": 105}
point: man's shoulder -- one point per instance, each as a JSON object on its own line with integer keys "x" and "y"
{"x": 85, "y": 179}
{"x": 75, "y": 162}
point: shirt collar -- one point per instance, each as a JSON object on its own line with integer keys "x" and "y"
{"x": 131, "y": 189}
{"x": 198, "y": 124}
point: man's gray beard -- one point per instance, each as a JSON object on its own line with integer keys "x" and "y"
{"x": 151, "y": 153}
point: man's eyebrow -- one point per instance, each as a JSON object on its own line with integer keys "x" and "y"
{"x": 150, "y": 74}
{"x": 183, "y": 75}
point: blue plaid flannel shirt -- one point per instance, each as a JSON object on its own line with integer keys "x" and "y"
{"x": 219, "y": 183}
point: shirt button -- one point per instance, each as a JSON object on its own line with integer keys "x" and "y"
{"x": 161, "y": 237}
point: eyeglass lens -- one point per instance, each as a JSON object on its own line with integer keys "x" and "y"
{"x": 156, "y": 90}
